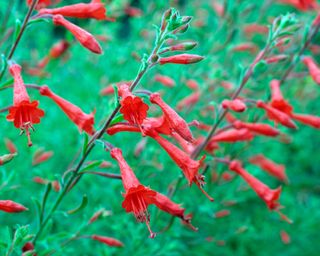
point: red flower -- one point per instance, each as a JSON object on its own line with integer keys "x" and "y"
{"x": 189, "y": 167}
{"x": 236, "y": 105}
{"x": 270, "y": 167}
{"x": 55, "y": 52}
{"x": 6, "y": 158}
{"x": 176, "y": 122}
{"x": 192, "y": 84}
{"x": 11, "y": 207}
{"x": 43, "y": 3}
{"x": 10, "y": 146}
{"x": 107, "y": 240}
{"x": 181, "y": 59}
{"x": 165, "y": 80}
{"x": 277, "y": 100}
{"x": 189, "y": 101}
{"x": 269, "y": 196}
{"x": 82, "y": 120}
{"x": 311, "y": 120}
{"x": 134, "y": 110}
{"x": 277, "y": 115}
{"x": 259, "y": 128}
{"x": 302, "y": 5}
{"x": 23, "y": 113}
{"x": 285, "y": 238}
{"x": 222, "y": 213}
{"x": 41, "y": 157}
{"x": 233, "y": 135}
{"x": 85, "y": 38}
{"x": 314, "y": 70}
{"x": 137, "y": 197}
{"x": 94, "y": 10}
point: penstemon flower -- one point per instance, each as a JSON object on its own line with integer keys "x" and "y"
{"x": 84, "y": 121}
{"x": 137, "y": 197}
{"x": 85, "y": 38}
{"x": 236, "y": 105}
{"x": 95, "y": 10}
{"x": 181, "y": 59}
{"x": 11, "y": 206}
{"x": 24, "y": 113}
{"x": 259, "y": 128}
{"x": 269, "y": 196}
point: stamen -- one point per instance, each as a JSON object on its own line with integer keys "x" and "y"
{"x": 199, "y": 182}
{"x": 152, "y": 234}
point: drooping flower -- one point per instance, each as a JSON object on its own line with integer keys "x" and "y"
{"x": 302, "y": 5}
{"x": 254, "y": 28}
{"x": 236, "y": 105}
{"x": 181, "y": 59}
{"x": 233, "y": 135}
{"x": 277, "y": 100}
{"x": 85, "y": 38}
{"x": 41, "y": 157}
{"x": 55, "y": 52}
{"x": 222, "y": 213}
{"x": 259, "y": 128}
{"x": 7, "y": 158}
{"x": 189, "y": 101}
{"x": 82, "y": 120}
{"x": 277, "y": 115}
{"x": 137, "y": 197}
{"x": 94, "y": 9}
{"x": 276, "y": 170}
{"x": 269, "y": 196}
{"x": 193, "y": 84}
{"x": 10, "y": 146}
{"x": 188, "y": 166}
{"x": 285, "y": 238}
{"x": 133, "y": 108}
{"x": 165, "y": 80}
{"x": 11, "y": 206}
{"x": 23, "y": 113}
{"x": 43, "y": 3}
{"x": 314, "y": 70}
{"x": 107, "y": 240}
{"x": 311, "y": 120}
{"x": 175, "y": 121}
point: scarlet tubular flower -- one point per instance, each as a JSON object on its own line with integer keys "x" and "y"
{"x": 311, "y": 120}
{"x": 94, "y": 10}
{"x": 269, "y": 196}
{"x": 43, "y": 3}
{"x": 270, "y": 167}
{"x": 193, "y": 84}
{"x": 189, "y": 167}
{"x": 276, "y": 58}
{"x": 175, "y": 121}
{"x": 181, "y": 59}
{"x": 277, "y": 100}
{"x": 42, "y": 157}
{"x": 314, "y": 70}
{"x": 134, "y": 110}
{"x": 222, "y": 213}
{"x": 236, "y": 105}
{"x": 285, "y": 238}
{"x": 107, "y": 240}
{"x": 255, "y": 28}
{"x": 302, "y": 5}
{"x": 10, "y": 146}
{"x": 189, "y": 101}
{"x": 277, "y": 115}
{"x": 11, "y": 207}
{"x": 165, "y": 80}
{"x": 246, "y": 47}
{"x": 85, "y": 38}
{"x": 233, "y": 135}
{"x": 137, "y": 197}
{"x": 259, "y": 128}
{"x": 55, "y": 52}
{"x": 82, "y": 120}
{"x": 23, "y": 113}
{"x": 7, "y": 158}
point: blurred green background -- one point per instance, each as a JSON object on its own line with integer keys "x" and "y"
{"x": 79, "y": 76}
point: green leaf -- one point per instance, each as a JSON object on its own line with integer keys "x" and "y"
{"x": 85, "y": 143}
{"x": 17, "y": 29}
{"x": 91, "y": 166}
{"x": 6, "y": 84}
{"x": 81, "y": 206}
{"x": 35, "y": 21}
{"x": 118, "y": 118}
